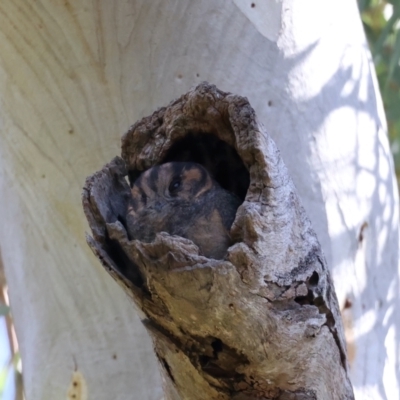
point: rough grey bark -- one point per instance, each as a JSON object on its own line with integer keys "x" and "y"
{"x": 262, "y": 323}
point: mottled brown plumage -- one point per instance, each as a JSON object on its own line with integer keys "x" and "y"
{"x": 182, "y": 199}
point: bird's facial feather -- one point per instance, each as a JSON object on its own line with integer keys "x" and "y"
{"x": 195, "y": 181}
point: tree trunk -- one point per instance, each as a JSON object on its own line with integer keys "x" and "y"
{"x": 262, "y": 323}
{"x": 74, "y": 76}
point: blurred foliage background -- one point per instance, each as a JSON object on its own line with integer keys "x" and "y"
{"x": 381, "y": 19}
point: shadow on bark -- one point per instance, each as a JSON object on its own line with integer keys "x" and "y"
{"x": 263, "y": 323}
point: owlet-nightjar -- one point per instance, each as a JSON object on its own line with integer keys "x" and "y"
{"x": 182, "y": 199}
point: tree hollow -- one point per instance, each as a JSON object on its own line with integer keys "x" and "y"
{"x": 264, "y": 322}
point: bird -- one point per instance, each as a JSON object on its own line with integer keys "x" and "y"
{"x": 181, "y": 198}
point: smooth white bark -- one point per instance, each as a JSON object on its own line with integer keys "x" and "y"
{"x": 74, "y": 76}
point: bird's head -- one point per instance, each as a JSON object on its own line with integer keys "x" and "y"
{"x": 170, "y": 182}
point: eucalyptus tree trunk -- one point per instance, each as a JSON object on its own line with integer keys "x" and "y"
{"x": 74, "y": 76}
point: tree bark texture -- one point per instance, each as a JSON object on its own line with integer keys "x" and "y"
{"x": 262, "y": 323}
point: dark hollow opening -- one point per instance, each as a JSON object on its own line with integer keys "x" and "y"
{"x": 225, "y": 167}
{"x": 167, "y": 369}
{"x": 217, "y": 346}
{"x": 314, "y": 279}
{"x": 308, "y": 299}
{"x": 218, "y": 157}
{"x": 125, "y": 266}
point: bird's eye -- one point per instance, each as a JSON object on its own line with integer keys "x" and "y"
{"x": 175, "y": 185}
